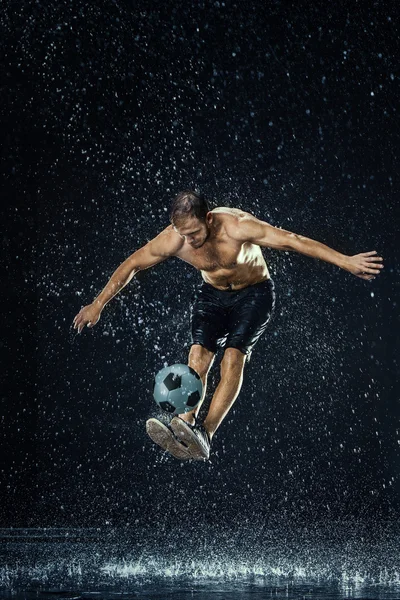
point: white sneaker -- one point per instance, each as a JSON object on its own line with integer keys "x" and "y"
{"x": 164, "y": 437}
{"x": 195, "y": 437}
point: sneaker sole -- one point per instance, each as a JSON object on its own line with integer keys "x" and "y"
{"x": 184, "y": 434}
{"x": 161, "y": 435}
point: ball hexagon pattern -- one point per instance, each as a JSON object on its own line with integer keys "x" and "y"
{"x": 177, "y": 389}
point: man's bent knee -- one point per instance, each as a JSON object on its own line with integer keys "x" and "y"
{"x": 200, "y": 359}
{"x": 233, "y": 358}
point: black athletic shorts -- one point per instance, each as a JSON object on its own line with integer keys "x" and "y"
{"x": 231, "y": 318}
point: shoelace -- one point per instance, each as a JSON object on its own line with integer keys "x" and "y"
{"x": 200, "y": 427}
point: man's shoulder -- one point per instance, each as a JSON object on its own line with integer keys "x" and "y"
{"x": 168, "y": 241}
{"x": 238, "y": 224}
{"x": 231, "y": 219}
{"x": 229, "y": 213}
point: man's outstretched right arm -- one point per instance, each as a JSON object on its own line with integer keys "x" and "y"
{"x": 160, "y": 248}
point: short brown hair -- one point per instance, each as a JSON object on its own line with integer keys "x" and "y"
{"x": 188, "y": 204}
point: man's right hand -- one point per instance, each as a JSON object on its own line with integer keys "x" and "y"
{"x": 88, "y": 315}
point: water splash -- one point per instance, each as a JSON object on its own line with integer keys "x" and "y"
{"x": 336, "y": 555}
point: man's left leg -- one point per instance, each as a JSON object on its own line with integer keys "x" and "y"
{"x": 198, "y": 439}
{"x": 232, "y": 366}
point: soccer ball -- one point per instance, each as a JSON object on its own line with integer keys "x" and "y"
{"x": 177, "y": 389}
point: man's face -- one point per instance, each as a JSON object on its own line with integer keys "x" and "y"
{"x": 194, "y": 231}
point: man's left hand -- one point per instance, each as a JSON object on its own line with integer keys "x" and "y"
{"x": 366, "y": 265}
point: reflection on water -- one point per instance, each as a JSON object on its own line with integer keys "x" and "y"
{"x": 333, "y": 561}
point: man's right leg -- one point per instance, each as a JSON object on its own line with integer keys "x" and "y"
{"x": 200, "y": 359}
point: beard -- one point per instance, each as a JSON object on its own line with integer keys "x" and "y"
{"x": 201, "y": 242}
{"x": 206, "y": 238}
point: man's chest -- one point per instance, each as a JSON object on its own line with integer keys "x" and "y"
{"x": 212, "y": 257}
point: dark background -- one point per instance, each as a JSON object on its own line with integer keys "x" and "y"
{"x": 286, "y": 109}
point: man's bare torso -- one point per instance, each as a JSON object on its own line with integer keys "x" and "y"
{"x": 224, "y": 262}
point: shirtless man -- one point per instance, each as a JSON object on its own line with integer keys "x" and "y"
{"x": 230, "y": 309}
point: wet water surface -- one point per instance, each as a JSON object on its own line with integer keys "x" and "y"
{"x": 334, "y": 561}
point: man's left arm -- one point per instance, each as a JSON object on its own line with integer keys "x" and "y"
{"x": 365, "y": 265}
